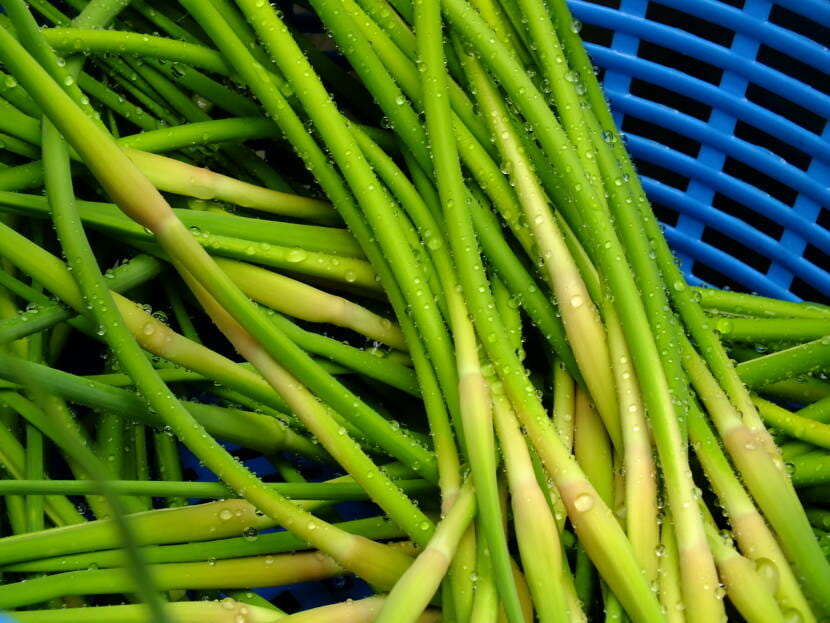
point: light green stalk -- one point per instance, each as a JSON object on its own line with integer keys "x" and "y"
{"x": 640, "y": 483}
{"x": 58, "y": 508}
{"x": 754, "y": 537}
{"x": 765, "y": 476}
{"x": 794, "y": 425}
{"x": 174, "y": 176}
{"x": 699, "y": 570}
{"x": 318, "y": 420}
{"x": 360, "y": 611}
{"x": 754, "y": 305}
{"x": 764, "y": 330}
{"x": 255, "y": 571}
{"x": 169, "y": 488}
{"x": 182, "y": 612}
{"x": 139, "y": 198}
{"x": 306, "y": 302}
{"x": 748, "y": 591}
{"x": 235, "y": 546}
{"x": 535, "y": 526}
{"x": 415, "y": 589}
{"x": 485, "y": 606}
{"x": 806, "y": 358}
{"x": 579, "y": 314}
{"x": 669, "y": 581}
{"x": 107, "y": 41}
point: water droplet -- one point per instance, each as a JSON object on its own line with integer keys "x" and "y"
{"x": 228, "y": 603}
{"x": 768, "y": 571}
{"x": 584, "y": 502}
{"x": 792, "y": 616}
{"x": 723, "y": 326}
{"x": 576, "y": 301}
{"x": 225, "y": 514}
{"x": 295, "y": 256}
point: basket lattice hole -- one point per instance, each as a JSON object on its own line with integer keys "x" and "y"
{"x": 787, "y": 151}
{"x": 745, "y": 173}
{"x": 676, "y": 60}
{"x": 748, "y": 256}
{"x": 662, "y": 135}
{"x": 794, "y": 68}
{"x": 798, "y": 23}
{"x": 661, "y": 174}
{"x": 716, "y": 278}
{"x": 699, "y": 27}
{"x": 666, "y": 215}
{"x": 673, "y": 100}
{"x": 782, "y": 106}
{"x": 749, "y": 216}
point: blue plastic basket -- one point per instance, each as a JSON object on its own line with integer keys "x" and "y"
{"x": 725, "y": 105}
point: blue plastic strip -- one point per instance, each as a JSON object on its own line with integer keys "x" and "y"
{"x": 623, "y": 43}
{"x": 808, "y": 210}
{"x": 737, "y": 229}
{"x": 721, "y": 124}
{"x": 685, "y": 43}
{"x": 709, "y": 255}
{"x": 816, "y": 10}
{"x": 706, "y": 93}
{"x": 791, "y": 43}
{"x": 738, "y": 190}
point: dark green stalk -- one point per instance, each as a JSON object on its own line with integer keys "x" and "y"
{"x": 785, "y": 364}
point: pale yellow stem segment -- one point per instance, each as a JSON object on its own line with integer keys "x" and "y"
{"x": 564, "y": 396}
{"x": 303, "y": 301}
{"x": 580, "y": 316}
{"x": 485, "y": 607}
{"x": 749, "y": 591}
{"x": 175, "y": 176}
{"x": 462, "y": 570}
{"x": 418, "y": 584}
{"x": 640, "y": 488}
{"x": 317, "y": 419}
{"x": 225, "y": 611}
{"x": 754, "y": 537}
{"x": 592, "y": 447}
{"x": 360, "y": 611}
{"x": 535, "y": 526}
{"x": 671, "y": 597}
{"x": 525, "y": 598}
{"x": 575, "y": 608}
{"x": 563, "y": 403}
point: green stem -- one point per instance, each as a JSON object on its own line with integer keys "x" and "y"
{"x": 785, "y": 364}
{"x": 375, "y": 528}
